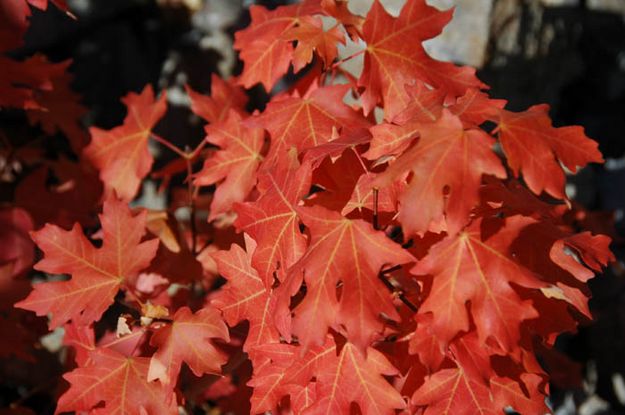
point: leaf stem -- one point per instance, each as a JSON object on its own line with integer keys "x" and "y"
{"x": 169, "y": 145}
{"x": 347, "y": 58}
{"x": 362, "y": 163}
{"x": 188, "y": 155}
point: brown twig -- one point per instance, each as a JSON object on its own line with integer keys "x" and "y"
{"x": 399, "y": 293}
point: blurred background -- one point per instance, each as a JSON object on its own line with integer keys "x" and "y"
{"x": 569, "y": 54}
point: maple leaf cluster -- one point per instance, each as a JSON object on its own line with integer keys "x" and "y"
{"x": 393, "y": 242}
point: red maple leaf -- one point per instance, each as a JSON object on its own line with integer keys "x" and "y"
{"x": 19, "y": 81}
{"x": 469, "y": 384}
{"x": 426, "y": 106}
{"x": 60, "y": 109}
{"x": 306, "y": 122}
{"x": 272, "y": 220}
{"x": 442, "y": 194}
{"x": 119, "y": 382}
{"x": 188, "y": 339}
{"x": 233, "y": 167}
{"x": 340, "y": 379}
{"x": 390, "y": 139}
{"x": 97, "y": 273}
{"x": 536, "y": 149}
{"x": 461, "y": 389}
{"x": 216, "y": 107}
{"x": 350, "y": 377}
{"x": 473, "y": 267}
{"x": 395, "y": 57}
{"x": 265, "y": 53}
{"x": 122, "y": 154}
{"x": 245, "y": 296}
{"x": 310, "y": 37}
{"x": 351, "y": 252}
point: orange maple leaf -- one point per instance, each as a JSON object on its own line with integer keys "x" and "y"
{"x": 395, "y": 57}
{"x": 122, "y": 154}
{"x": 96, "y": 273}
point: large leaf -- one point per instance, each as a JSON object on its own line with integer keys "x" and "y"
{"x": 537, "y": 149}
{"x": 395, "y": 57}
{"x": 188, "y": 339}
{"x": 224, "y": 96}
{"x": 119, "y": 382}
{"x": 233, "y": 167}
{"x": 347, "y": 251}
{"x": 306, "y": 122}
{"x": 338, "y": 379}
{"x": 447, "y": 165}
{"x": 96, "y": 273}
{"x": 476, "y": 266}
{"x": 121, "y": 154}
{"x": 265, "y": 52}
{"x": 245, "y": 296}
{"x": 350, "y": 377}
{"x": 272, "y": 221}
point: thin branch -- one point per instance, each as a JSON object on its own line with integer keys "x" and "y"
{"x": 191, "y": 202}
{"x": 399, "y": 293}
{"x": 376, "y": 224}
{"x": 188, "y": 156}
